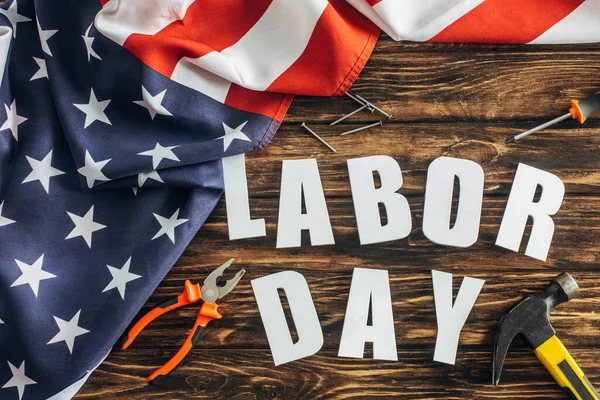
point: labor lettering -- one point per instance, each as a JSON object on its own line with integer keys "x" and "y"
{"x": 301, "y": 187}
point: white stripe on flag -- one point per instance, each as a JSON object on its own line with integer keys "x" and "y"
{"x": 365, "y": 8}
{"x": 190, "y": 75}
{"x": 420, "y": 20}
{"x": 118, "y": 19}
{"x": 581, "y": 26}
{"x": 267, "y": 50}
{"x": 5, "y": 42}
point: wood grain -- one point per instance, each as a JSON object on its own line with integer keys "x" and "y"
{"x": 249, "y": 374}
{"x": 415, "y": 146}
{"x": 457, "y": 100}
{"x": 465, "y": 82}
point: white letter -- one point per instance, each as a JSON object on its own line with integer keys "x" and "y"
{"x": 297, "y": 177}
{"x": 236, "y": 195}
{"x": 373, "y": 285}
{"x": 367, "y": 199}
{"x": 520, "y": 206}
{"x": 438, "y": 202}
{"x": 450, "y": 320}
{"x": 308, "y": 328}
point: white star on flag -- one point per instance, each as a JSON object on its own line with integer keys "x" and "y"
{"x": 153, "y": 103}
{"x": 159, "y": 153}
{"x": 32, "y": 275}
{"x": 92, "y": 170}
{"x": 42, "y": 171}
{"x": 84, "y": 226}
{"x": 168, "y": 225}
{"x": 68, "y": 331}
{"x": 89, "y": 40}
{"x": 94, "y": 110}
{"x": 12, "y": 120}
{"x": 42, "y": 72}
{"x": 44, "y": 36}
{"x": 14, "y": 17}
{"x": 3, "y": 220}
{"x": 1, "y": 322}
{"x": 134, "y": 189}
{"x": 120, "y": 278}
{"x": 144, "y": 176}
{"x": 232, "y": 134}
{"x": 19, "y": 379}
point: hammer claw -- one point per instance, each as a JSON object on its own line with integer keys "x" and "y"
{"x": 530, "y": 319}
{"x": 502, "y": 341}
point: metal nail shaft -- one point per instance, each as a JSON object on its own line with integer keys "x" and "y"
{"x": 538, "y": 128}
{"x": 363, "y": 128}
{"x": 318, "y": 137}
{"x": 349, "y": 115}
{"x": 388, "y": 116}
{"x": 360, "y": 102}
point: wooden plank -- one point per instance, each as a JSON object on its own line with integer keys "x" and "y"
{"x": 413, "y": 307}
{"x": 467, "y": 82}
{"x": 574, "y": 245}
{"x": 415, "y": 146}
{"x": 250, "y": 374}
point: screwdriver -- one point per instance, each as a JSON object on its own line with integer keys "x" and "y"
{"x": 580, "y": 110}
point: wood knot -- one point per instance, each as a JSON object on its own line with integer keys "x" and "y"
{"x": 476, "y": 150}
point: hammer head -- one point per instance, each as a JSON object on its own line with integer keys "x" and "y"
{"x": 530, "y": 319}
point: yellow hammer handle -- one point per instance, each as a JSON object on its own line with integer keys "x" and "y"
{"x": 557, "y": 360}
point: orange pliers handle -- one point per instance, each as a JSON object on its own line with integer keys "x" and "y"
{"x": 207, "y": 313}
{"x": 191, "y": 294}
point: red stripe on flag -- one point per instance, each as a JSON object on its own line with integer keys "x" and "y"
{"x": 264, "y": 103}
{"x": 373, "y": 2}
{"x": 334, "y": 56}
{"x": 103, "y": 2}
{"x": 507, "y": 21}
{"x": 338, "y": 48}
{"x": 207, "y": 26}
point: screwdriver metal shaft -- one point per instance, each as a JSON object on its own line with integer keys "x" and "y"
{"x": 538, "y": 128}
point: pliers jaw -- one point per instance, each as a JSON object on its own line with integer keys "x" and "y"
{"x": 212, "y": 291}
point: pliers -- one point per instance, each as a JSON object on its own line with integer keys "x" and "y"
{"x": 211, "y": 291}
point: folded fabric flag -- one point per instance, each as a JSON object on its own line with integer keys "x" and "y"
{"x": 492, "y": 21}
{"x": 116, "y": 116}
{"x": 110, "y": 163}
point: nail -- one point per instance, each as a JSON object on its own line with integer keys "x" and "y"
{"x": 362, "y": 128}
{"x": 318, "y": 137}
{"x": 375, "y": 107}
{"x": 349, "y": 115}
{"x": 359, "y": 101}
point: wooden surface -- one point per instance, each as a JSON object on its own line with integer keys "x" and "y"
{"x": 447, "y": 99}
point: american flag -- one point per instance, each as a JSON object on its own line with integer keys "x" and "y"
{"x": 115, "y": 116}
{"x": 491, "y": 21}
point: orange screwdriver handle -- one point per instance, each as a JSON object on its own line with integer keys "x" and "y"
{"x": 190, "y": 294}
{"x": 207, "y": 313}
{"x": 581, "y": 110}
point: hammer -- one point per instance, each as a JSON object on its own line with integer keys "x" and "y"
{"x": 530, "y": 318}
